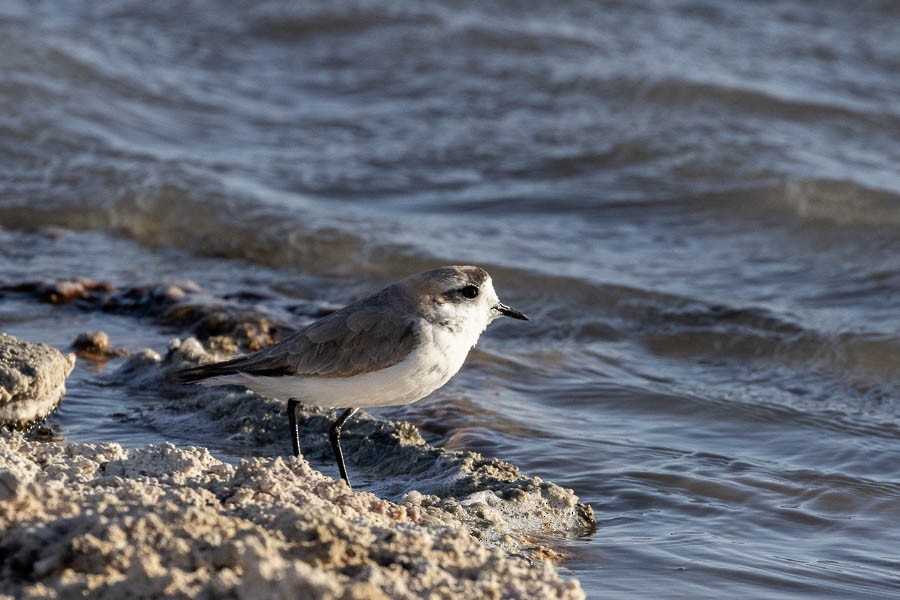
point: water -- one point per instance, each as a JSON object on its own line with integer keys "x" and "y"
{"x": 698, "y": 203}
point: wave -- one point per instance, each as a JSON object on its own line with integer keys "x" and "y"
{"x": 678, "y": 92}
{"x": 205, "y": 222}
{"x": 837, "y": 201}
{"x": 832, "y": 201}
{"x": 577, "y": 314}
{"x": 277, "y": 20}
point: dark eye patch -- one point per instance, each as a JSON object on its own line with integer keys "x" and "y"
{"x": 469, "y": 292}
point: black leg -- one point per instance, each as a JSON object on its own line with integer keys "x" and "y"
{"x": 334, "y": 434}
{"x": 295, "y": 430}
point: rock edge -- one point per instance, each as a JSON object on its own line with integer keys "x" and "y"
{"x": 32, "y": 380}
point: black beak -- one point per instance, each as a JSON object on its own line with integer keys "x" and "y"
{"x": 510, "y": 312}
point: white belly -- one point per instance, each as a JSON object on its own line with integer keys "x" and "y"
{"x": 434, "y": 361}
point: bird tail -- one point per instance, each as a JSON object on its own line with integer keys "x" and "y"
{"x": 242, "y": 365}
{"x": 195, "y": 374}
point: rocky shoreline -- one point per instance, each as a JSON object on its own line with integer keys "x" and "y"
{"x": 176, "y": 521}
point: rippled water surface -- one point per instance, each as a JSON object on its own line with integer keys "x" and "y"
{"x": 698, "y": 203}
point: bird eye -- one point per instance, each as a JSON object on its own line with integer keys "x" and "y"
{"x": 470, "y": 291}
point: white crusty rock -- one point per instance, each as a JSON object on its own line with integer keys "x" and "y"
{"x": 96, "y": 520}
{"x": 32, "y": 380}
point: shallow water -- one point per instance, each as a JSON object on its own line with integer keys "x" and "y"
{"x": 697, "y": 203}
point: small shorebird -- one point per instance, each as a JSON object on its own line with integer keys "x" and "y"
{"x": 394, "y": 347}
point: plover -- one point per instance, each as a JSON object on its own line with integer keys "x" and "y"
{"x": 394, "y": 347}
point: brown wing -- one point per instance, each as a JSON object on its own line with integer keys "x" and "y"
{"x": 371, "y": 335}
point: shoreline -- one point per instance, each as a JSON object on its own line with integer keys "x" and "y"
{"x": 82, "y": 517}
{"x": 163, "y": 520}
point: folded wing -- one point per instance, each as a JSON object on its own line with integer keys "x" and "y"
{"x": 368, "y": 336}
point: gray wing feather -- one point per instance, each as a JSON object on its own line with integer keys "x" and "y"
{"x": 371, "y": 335}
